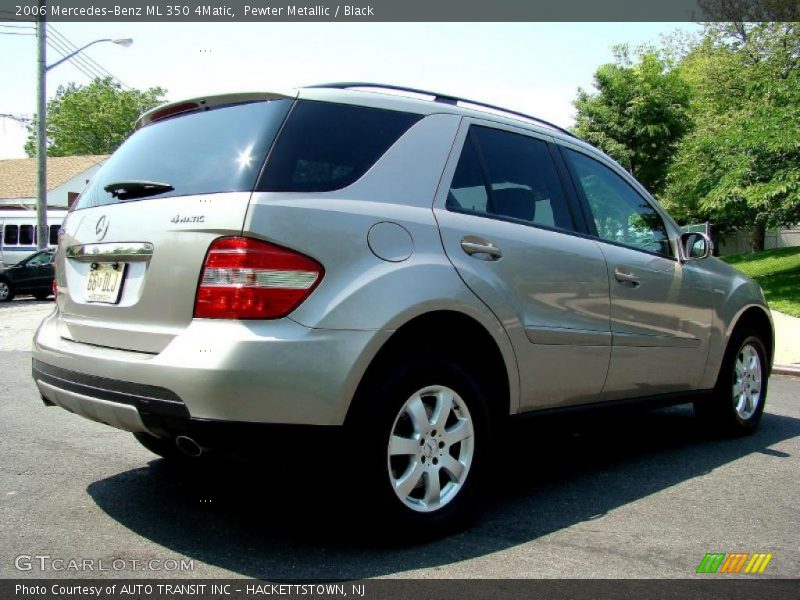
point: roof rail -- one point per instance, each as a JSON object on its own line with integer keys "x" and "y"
{"x": 443, "y": 98}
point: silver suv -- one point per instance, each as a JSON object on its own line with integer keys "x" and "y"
{"x": 407, "y": 267}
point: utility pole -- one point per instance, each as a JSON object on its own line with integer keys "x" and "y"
{"x": 41, "y": 129}
{"x": 42, "y": 233}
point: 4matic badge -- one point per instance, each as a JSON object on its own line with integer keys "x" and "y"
{"x": 188, "y": 219}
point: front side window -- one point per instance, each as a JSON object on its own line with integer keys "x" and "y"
{"x": 620, "y": 213}
{"x": 508, "y": 175}
{"x": 326, "y": 146}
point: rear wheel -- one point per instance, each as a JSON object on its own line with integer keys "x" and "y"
{"x": 737, "y": 403}
{"x": 424, "y": 434}
{"x": 6, "y": 292}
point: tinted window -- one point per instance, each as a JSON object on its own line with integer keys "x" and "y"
{"x": 12, "y": 235}
{"x": 516, "y": 179}
{"x": 26, "y": 235}
{"x": 326, "y": 146}
{"x": 211, "y": 151}
{"x": 468, "y": 190}
{"x": 54, "y": 234}
{"x": 620, "y": 213}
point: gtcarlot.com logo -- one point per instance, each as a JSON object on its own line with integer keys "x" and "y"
{"x": 733, "y": 563}
{"x": 44, "y": 562}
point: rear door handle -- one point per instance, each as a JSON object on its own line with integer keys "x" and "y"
{"x": 628, "y": 279}
{"x": 480, "y": 248}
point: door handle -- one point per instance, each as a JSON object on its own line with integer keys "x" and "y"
{"x": 628, "y": 279}
{"x": 477, "y": 247}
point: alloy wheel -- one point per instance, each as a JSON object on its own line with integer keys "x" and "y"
{"x": 430, "y": 448}
{"x": 747, "y": 382}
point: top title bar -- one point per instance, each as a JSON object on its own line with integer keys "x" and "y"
{"x": 399, "y": 10}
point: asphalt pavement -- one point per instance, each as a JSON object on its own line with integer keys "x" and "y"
{"x": 645, "y": 495}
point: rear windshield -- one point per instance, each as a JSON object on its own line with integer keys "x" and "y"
{"x": 216, "y": 150}
{"x": 326, "y": 146}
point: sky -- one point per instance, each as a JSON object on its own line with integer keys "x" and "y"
{"x": 535, "y": 68}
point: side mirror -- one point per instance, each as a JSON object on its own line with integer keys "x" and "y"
{"x": 695, "y": 246}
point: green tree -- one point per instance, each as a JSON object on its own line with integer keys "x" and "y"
{"x": 638, "y": 114}
{"x": 92, "y": 119}
{"x": 740, "y": 165}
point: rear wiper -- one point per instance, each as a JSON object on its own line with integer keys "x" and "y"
{"x": 125, "y": 190}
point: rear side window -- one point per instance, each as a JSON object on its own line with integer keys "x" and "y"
{"x": 509, "y": 175}
{"x": 326, "y": 146}
{"x": 469, "y": 189}
{"x": 204, "y": 152}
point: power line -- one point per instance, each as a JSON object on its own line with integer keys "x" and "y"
{"x": 83, "y": 67}
{"x": 22, "y": 119}
{"x": 13, "y": 33}
{"x": 88, "y": 60}
{"x": 14, "y": 18}
{"x": 66, "y": 42}
{"x": 18, "y": 26}
{"x": 76, "y": 60}
{"x": 75, "y": 63}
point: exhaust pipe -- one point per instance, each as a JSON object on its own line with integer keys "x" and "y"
{"x": 189, "y": 447}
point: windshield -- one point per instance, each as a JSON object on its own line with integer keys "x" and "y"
{"x": 204, "y": 152}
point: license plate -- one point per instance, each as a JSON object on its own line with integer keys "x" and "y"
{"x": 104, "y": 283}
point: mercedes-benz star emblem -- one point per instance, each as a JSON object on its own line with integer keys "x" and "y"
{"x": 101, "y": 229}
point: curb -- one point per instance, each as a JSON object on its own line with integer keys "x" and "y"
{"x": 792, "y": 370}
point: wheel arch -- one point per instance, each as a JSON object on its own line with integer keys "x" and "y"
{"x": 457, "y": 335}
{"x": 757, "y": 318}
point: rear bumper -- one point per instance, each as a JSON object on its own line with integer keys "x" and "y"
{"x": 147, "y": 409}
{"x": 276, "y": 372}
{"x": 132, "y": 407}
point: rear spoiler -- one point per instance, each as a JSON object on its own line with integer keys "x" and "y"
{"x": 169, "y": 109}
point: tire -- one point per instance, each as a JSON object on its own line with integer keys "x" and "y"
{"x": 41, "y": 295}
{"x": 423, "y": 430}
{"x": 6, "y": 291}
{"x": 737, "y": 401}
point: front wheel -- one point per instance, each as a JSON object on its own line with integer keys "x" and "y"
{"x": 737, "y": 402}
{"x": 425, "y": 432}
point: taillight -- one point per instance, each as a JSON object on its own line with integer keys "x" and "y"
{"x": 245, "y": 278}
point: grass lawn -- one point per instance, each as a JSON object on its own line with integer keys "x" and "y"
{"x": 778, "y": 272}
